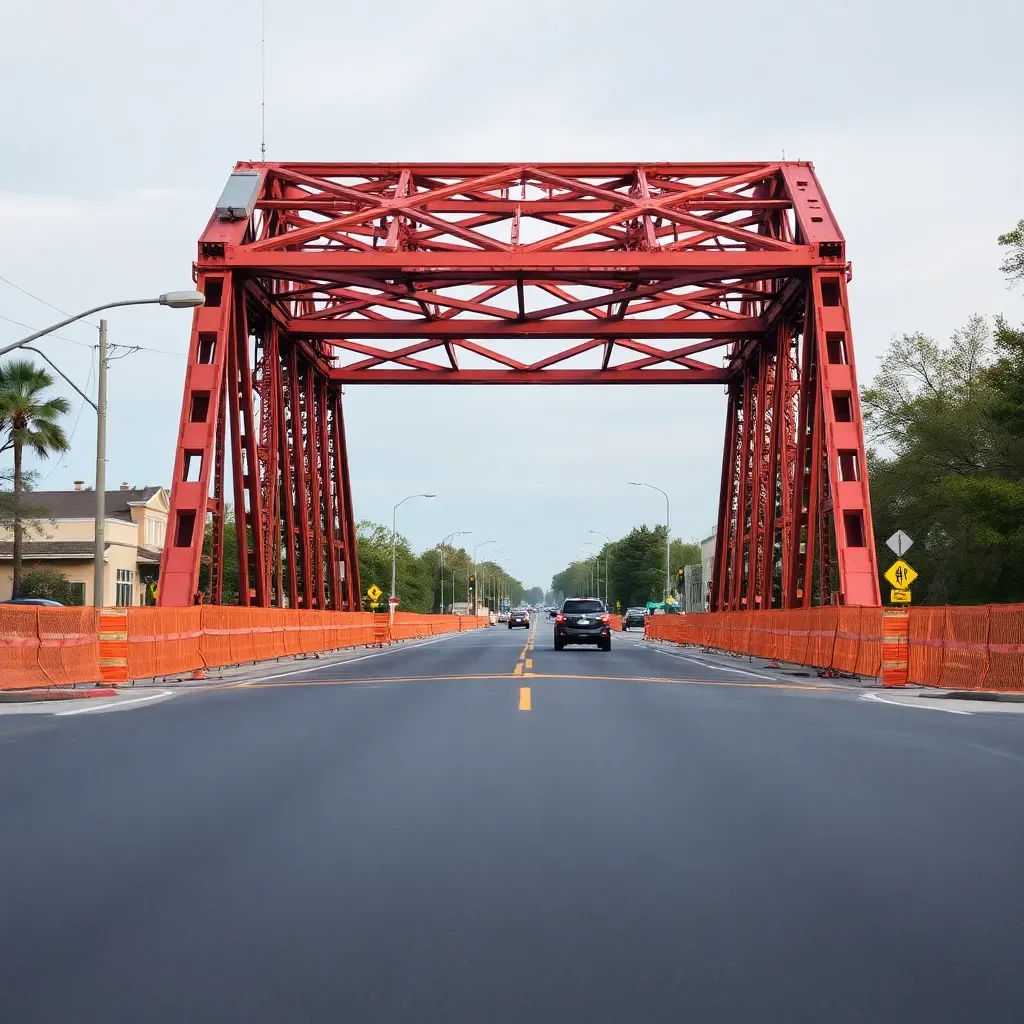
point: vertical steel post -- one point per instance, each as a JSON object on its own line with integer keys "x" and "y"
{"x": 99, "y": 536}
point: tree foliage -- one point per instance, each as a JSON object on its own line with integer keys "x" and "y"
{"x": 43, "y": 581}
{"x": 418, "y": 577}
{"x": 1013, "y": 259}
{"x": 635, "y": 568}
{"x": 946, "y": 425}
{"x": 28, "y": 419}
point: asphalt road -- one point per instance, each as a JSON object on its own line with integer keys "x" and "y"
{"x": 659, "y": 838}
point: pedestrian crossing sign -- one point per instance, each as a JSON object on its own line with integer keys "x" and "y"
{"x": 374, "y": 592}
{"x": 900, "y": 574}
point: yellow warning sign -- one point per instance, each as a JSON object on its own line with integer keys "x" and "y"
{"x": 899, "y": 596}
{"x": 374, "y": 592}
{"x": 900, "y": 574}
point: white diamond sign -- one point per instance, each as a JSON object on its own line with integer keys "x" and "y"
{"x": 900, "y": 543}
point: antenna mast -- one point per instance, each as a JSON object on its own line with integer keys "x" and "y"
{"x": 263, "y": 81}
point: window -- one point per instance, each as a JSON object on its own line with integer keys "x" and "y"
{"x": 123, "y": 598}
{"x": 78, "y": 594}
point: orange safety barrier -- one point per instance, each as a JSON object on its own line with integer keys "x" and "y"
{"x": 1005, "y": 647}
{"x": 895, "y": 630}
{"x": 615, "y": 621}
{"x": 163, "y": 641}
{"x": 112, "y": 636}
{"x": 844, "y": 654}
{"x": 68, "y": 645}
{"x": 954, "y": 647}
{"x": 926, "y": 631}
{"x": 965, "y": 648}
{"x": 821, "y": 641}
{"x": 797, "y": 636}
{"x": 19, "y": 648}
{"x": 869, "y": 653}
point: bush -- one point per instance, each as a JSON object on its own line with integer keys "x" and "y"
{"x": 40, "y": 581}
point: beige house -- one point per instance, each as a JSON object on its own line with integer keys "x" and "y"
{"x": 62, "y": 538}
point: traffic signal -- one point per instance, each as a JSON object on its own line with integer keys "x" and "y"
{"x": 472, "y": 585}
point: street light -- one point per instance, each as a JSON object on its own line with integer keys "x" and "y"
{"x": 174, "y": 300}
{"x": 607, "y": 556}
{"x": 668, "y": 535}
{"x": 394, "y": 534}
{"x": 493, "y": 577}
{"x": 482, "y": 544}
{"x": 458, "y": 533}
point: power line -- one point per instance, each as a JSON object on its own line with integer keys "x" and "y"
{"x": 25, "y": 291}
{"x": 63, "y": 337}
{"x": 81, "y": 408}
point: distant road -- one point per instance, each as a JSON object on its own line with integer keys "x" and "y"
{"x": 660, "y": 837}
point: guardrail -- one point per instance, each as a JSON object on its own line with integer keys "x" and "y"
{"x": 963, "y": 648}
{"x": 42, "y": 647}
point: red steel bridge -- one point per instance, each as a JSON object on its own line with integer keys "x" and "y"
{"x": 319, "y": 275}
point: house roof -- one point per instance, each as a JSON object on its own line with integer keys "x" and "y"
{"x": 33, "y": 549}
{"x": 82, "y": 504}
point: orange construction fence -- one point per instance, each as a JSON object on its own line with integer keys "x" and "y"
{"x": 58, "y": 646}
{"x": 962, "y": 648}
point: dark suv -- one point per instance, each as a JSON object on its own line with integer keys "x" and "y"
{"x": 583, "y": 620}
{"x": 633, "y": 617}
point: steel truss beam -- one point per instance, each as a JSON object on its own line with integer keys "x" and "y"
{"x": 323, "y": 275}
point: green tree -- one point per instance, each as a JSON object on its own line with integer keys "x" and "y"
{"x": 1013, "y": 260}
{"x": 42, "y": 581}
{"x": 636, "y": 567}
{"x": 947, "y": 462}
{"x": 229, "y": 582}
{"x": 27, "y": 419}
{"x": 533, "y": 595}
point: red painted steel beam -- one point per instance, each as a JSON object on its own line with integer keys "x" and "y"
{"x": 484, "y": 265}
{"x": 747, "y": 327}
{"x": 442, "y": 375}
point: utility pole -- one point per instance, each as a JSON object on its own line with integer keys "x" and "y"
{"x": 99, "y": 537}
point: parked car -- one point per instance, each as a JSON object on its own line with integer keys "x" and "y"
{"x": 633, "y": 617}
{"x": 43, "y": 602}
{"x": 520, "y": 618}
{"x": 583, "y": 620}
{"x": 503, "y": 616}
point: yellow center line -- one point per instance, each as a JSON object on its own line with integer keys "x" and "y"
{"x": 529, "y": 662}
{"x": 519, "y": 670}
{"x": 524, "y": 699}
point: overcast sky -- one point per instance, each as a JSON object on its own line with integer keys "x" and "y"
{"x": 122, "y": 121}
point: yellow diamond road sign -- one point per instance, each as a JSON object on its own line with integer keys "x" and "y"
{"x": 900, "y": 574}
{"x": 374, "y": 592}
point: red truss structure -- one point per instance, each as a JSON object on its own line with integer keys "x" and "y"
{"x": 322, "y": 275}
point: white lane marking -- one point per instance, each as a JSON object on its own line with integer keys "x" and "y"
{"x": 342, "y": 664}
{"x": 117, "y": 704}
{"x": 714, "y": 668}
{"x": 918, "y": 707}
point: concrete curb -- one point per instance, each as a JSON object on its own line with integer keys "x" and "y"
{"x": 39, "y": 696}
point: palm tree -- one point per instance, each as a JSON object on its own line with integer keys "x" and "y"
{"x": 28, "y": 419}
